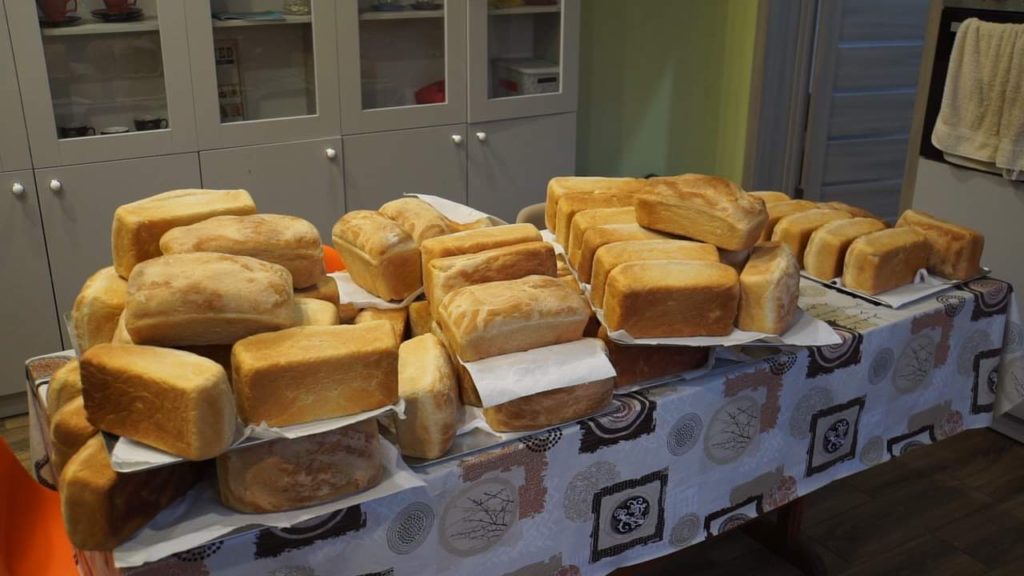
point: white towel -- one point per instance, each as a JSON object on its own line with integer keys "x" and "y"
{"x": 1010, "y": 155}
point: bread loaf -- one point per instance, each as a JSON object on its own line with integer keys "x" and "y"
{"x": 102, "y": 508}
{"x": 735, "y": 258}
{"x": 550, "y": 408}
{"x": 315, "y": 372}
{"x": 445, "y": 275}
{"x": 883, "y": 260}
{"x": 138, "y": 227}
{"x": 473, "y": 241}
{"x": 665, "y": 298}
{"x": 65, "y": 385}
{"x": 826, "y": 249}
{"x": 561, "y": 266}
{"x": 381, "y": 257}
{"x": 420, "y": 318}
{"x": 850, "y": 209}
{"x": 599, "y": 236}
{"x": 206, "y": 298}
{"x": 609, "y": 256}
{"x": 97, "y": 308}
{"x": 427, "y": 383}
{"x": 468, "y": 394}
{"x": 769, "y": 290}
{"x": 285, "y": 240}
{"x": 564, "y": 186}
{"x": 312, "y": 312}
{"x": 955, "y": 250}
{"x": 587, "y": 219}
{"x": 643, "y": 363}
{"x": 173, "y": 400}
{"x": 779, "y": 210}
{"x": 69, "y": 431}
{"x": 705, "y": 208}
{"x": 288, "y": 474}
{"x": 419, "y": 219}
{"x": 397, "y": 318}
{"x": 498, "y": 318}
{"x": 570, "y": 206}
{"x": 325, "y": 288}
{"x": 795, "y": 230}
{"x": 771, "y": 197}
{"x": 219, "y": 353}
{"x": 121, "y": 335}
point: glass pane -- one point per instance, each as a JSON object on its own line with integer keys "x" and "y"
{"x": 401, "y": 51}
{"x": 105, "y": 66}
{"x": 263, "y": 53}
{"x": 524, "y": 46}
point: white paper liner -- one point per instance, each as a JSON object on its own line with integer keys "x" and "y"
{"x": 199, "y": 517}
{"x": 453, "y": 210}
{"x": 351, "y": 293}
{"x": 510, "y": 376}
{"x": 549, "y": 237}
{"x": 807, "y": 331}
{"x": 131, "y": 456}
{"x": 924, "y": 285}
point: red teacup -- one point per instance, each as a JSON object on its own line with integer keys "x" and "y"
{"x": 119, "y": 6}
{"x": 57, "y": 10}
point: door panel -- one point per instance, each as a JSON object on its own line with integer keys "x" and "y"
{"x": 878, "y": 67}
{"x": 871, "y": 114}
{"x": 861, "y": 20}
{"x": 27, "y": 310}
{"x": 298, "y": 178}
{"x": 881, "y": 197}
{"x": 383, "y": 166}
{"x": 864, "y": 159}
{"x": 13, "y": 138}
{"x": 511, "y": 167}
{"x": 78, "y": 216}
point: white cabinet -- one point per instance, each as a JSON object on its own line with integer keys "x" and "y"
{"x": 14, "y": 153}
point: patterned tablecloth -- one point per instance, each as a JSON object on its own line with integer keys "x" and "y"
{"x": 675, "y": 464}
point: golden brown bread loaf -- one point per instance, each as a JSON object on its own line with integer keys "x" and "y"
{"x": 315, "y": 372}
{"x": 826, "y": 249}
{"x": 779, "y": 210}
{"x": 598, "y": 236}
{"x": 587, "y": 219}
{"x": 956, "y": 250}
{"x": 102, "y": 508}
{"x": 381, "y": 257}
{"x": 97, "y": 308}
{"x": 473, "y": 241}
{"x": 468, "y": 394}
{"x": 884, "y": 260}
{"x": 427, "y": 383}
{"x": 173, "y": 400}
{"x": 285, "y": 240}
{"x": 770, "y": 197}
{"x": 795, "y": 230}
{"x": 69, "y": 431}
{"x": 325, "y": 288}
{"x": 666, "y": 298}
{"x": 571, "y": 205}
{"x": 445, "y": 275}
{"x": 206, "y": 298}
{"x": 420, "y": 318}
{"x": 65, "y": 385}
{"x": 419, "y": 219}
{"x": 705, "y": 208}
{"x": 121, "y": 335}
{"x": 735, "y": 258}
{"x": 769, "y": 290}
{"x": 609, "y": 256}
{"x": 498, "y": 318}
{"x": 850, "y": 209}
{"x": 564, "y": 186}
{"x": 550, "y": 408}
{"x": 288, "y": 474}
{"x": 313, "y": 312}
{"x": 138, "y": 227}
{"x": 643, "y": 363}
{"x": 397, "y": 318}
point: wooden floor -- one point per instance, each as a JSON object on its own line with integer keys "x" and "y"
{"x": 955, "y": 508}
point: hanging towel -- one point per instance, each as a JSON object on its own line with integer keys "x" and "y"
{"x": 971, "y": 117}
{"x": 1010, "y": 156}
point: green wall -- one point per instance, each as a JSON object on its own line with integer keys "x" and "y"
{"x": 664, "y": 86}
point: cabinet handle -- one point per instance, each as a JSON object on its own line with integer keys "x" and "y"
{"x": 457, "y": 138}
{"x": 55, "y": 185}
{"x": 331, "y": 153}
{"x": 481, "y": 136}
{"x": 17, "y": 189}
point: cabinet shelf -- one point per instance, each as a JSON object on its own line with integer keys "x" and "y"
{"x": 402, "y": 15}
{"x": 244, "y": 23}
{"x": 86, "y": 28}
{"x": 552, "y": 9}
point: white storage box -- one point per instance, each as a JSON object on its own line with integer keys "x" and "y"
{"x": 522, "y": 77}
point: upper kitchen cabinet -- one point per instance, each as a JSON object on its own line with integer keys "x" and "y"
{"x": 13, "y": 138}
{"x": 523, "y": 58}
{"x": 103, "y": 80}
{"x": 403, "y": 63}
{"x": 264, "y": 71}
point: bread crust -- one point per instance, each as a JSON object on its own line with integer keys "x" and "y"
{"x": 381, "y": 257}
{"x": 827, "y": 246}
{"x": 611, "y": 255}
{"x": 428, "y": 384}
{"x": 98, "y": 307}
{"x": 956, "y": 250}
{"x": 769, "y": 290}
{"x": 883, "y": 260}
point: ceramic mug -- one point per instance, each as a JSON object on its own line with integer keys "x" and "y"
{"x": 57, "y": 10}
{"x": 143, "y": 123}
{"x": 76, "y": 131}
{"x": 119, "y": 6}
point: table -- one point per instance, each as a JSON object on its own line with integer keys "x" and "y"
{"x": 673, "y": 464}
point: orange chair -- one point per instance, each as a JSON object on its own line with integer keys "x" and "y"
{"x": 32, "y": 536}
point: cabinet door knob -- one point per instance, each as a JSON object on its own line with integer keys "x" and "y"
{"x": 481, "y": 136}
{"x": 331, "y": 153}
{"x": 457, "y": 138}
{"x": 55, "y": 185}
{"x": 17, "y": 189}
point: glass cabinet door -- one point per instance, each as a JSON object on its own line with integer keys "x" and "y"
{"x": 103, "y": 79}
{"x": 523, "y": 57}
{"x": 403, "y": 63}
{"x": 264, "y": 71}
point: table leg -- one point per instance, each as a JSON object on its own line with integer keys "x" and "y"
{"x": 784, "y": 538}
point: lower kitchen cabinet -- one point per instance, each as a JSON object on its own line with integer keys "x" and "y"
{"x": 298, "y": 178}
{"x": 384, "y": 165}
{"x": 26, "y": 310}
{"x": 511, "y": 161}
{"x": 78, "y": 203}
